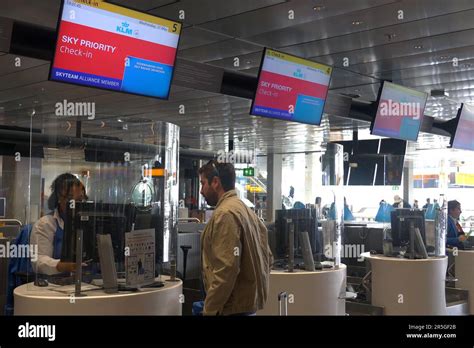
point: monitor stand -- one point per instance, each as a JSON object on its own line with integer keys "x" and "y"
{"x": 78, "y": 275}
{"x": 107, "y": 263}
{"x": 417, "y": 248}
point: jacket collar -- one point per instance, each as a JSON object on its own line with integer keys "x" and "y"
{"x": 228, "y": 194}
{"x": 58, "y": 218}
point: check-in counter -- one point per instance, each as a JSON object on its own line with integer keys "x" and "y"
{"x": 308, "y": 293}
{"x": 464, "y": 270}
{"x": 35, "y": 300}
{"x": 408, "y": 287}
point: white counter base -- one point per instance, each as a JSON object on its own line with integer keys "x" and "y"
{"x": 464, "y": 268}
{"x": 409, "y": 287}
{"x": 33, "y": 300}
{"x": 309, "y": 293}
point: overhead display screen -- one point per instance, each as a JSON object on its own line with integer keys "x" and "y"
{"x": 373, "y": 162}
{"x": 464, "y": 133}
{"x": 399, "y": 113}
{"x": 291, "y": 88}
{"x": 111, "y": 47}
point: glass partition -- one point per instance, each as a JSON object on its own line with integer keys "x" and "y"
{"x": 316, "y": 223}
{"x": 333, "y": 222}
{"x": 128, "y": 174}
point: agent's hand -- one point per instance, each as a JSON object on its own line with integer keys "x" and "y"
{"x": 67, "y": 266}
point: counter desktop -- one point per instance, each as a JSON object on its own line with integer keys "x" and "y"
{"x": 115, "y": 282}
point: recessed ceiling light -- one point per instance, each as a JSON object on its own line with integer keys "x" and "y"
{"x": 357, "y": 22}
{"x": 418, "y": 47}
{"x": 319, "y": 8}
{"x": 467, "y": 65}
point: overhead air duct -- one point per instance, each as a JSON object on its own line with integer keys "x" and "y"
{"x": 61, "y": 141}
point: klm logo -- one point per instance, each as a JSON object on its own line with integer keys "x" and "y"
{"x": 298, "y": 73}
{"x": 124, "y": 29}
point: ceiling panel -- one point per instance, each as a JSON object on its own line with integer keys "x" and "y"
{"x": 10, "y": 64}
{"x": 278, "y": 17}
{"x": 143, "y": 5}
{"x": 393, "y": 68}
{"x": 195, "y": 36}
{"x": 379, "y": 24}
{"x": 43, "y": 12}
{"x": 433, "y": 45}
{"x": 202, "y": 11}
{"x": 410, "y": 31}
{"x": 227, "y": 48}
{"x": 435, "y": 69}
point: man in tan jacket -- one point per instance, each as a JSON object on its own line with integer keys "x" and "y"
{"x": 235, "y": 255}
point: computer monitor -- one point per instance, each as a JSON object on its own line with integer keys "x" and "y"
{"x": 303, "y": 220}
{"x": 400, "y": 223}
{"x": 93, "y": 219}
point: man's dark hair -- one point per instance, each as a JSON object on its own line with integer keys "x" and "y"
{"x": 224, "y": 171}
{"x": 453, "y": 205}
{"x": 63, "y": 182}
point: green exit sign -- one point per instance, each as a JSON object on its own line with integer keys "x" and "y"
{"x": 249, "y": 171}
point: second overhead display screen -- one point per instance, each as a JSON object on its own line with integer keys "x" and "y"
{"x": 463, "y": 137}
{"x": 400, "y": 112}
{"x": 291, "y": 88}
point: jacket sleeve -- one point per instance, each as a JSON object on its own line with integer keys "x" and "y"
{"x": 453, "y": 241}
{"x": 226, "y": 249}
{"x": 43, "y": 237}
{"x": 452, "y": 235}
{"x": 264, "y": 231}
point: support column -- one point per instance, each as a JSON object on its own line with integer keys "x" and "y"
{"x": 313, "y": 176}
{"x": 308, "y": 178}
{"x": 408, "y": 182}
{"x": 274, "y": 170}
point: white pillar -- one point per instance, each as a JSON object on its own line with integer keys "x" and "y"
{"x": 408, "y": 182}
{"x": 274, "y": 169}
